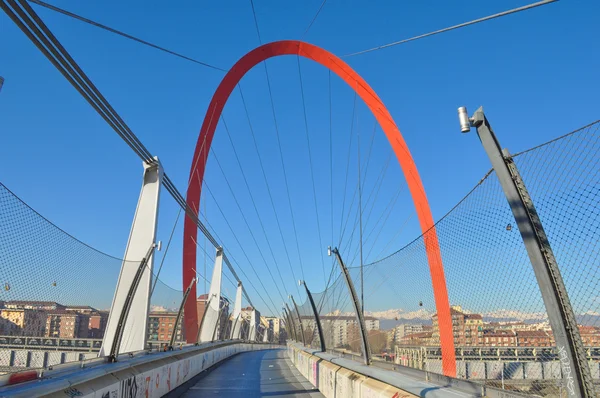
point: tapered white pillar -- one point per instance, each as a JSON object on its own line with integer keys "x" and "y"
{"x": 236, "y": 318}
{"x": 265, "y": 335}
{"x": 253, "y": 326}
{"x": 213, "y": 301}
{"x": 141, "y": 239}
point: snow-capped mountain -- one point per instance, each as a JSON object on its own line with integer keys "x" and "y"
{"x": 504, "y": 315}
{"x": 397, "y": 314}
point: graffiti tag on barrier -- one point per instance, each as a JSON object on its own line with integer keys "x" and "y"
{"x": 169, "y": 378}
{"x": 148, "y": 386}
{"x": 110, "y": 394}
{"x": 129, "y": 388}
{"x": 73, "y": 392}
{"x": 566, "y": 367}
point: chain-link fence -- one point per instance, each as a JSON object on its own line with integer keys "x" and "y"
{"x": 56, "y": 293}
{"x": 499, "y": 323}
{"x": 55, "y": 290}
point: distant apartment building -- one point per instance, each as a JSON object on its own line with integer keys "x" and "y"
{"x": 22, "y": 322}
{"x": 403, "y": 330}
{"x": 66, "y": 324}
{"x": 590, "y": 336}
{"x": 272, "y": 326}
{"x": 467, "y": 329}
{"x": 499, "y": 338}
{"x": 338, "y": 330}
{"x": 97, "y": 324}
{"x": 33, "y": 305}
{"x": 274, "y": 323}
{"x": 161, "y": 326}
{"x": 534, "y": 338}
{"x": 246, "y": 315}
{"x": 419, "y": 339}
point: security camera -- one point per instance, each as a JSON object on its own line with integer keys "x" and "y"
{"x": 464, "y": 120}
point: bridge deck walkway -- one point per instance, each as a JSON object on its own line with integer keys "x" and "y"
{"x": 266, "y": 373}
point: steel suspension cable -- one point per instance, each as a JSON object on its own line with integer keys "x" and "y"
{"x": 238, "y": 242}
{"x": 254, "y": 205}
{"x": 347, "y": 165}
{"x": 162, "y": 261}
{"x": 238, "y": 264}
{"x": 364, "y": 180}
{"x": 378, "y": 183}
{"x": 123, "y": 34}
{"x": 312, "y": 21}
{"x": 387, "y": 210}
{"x": 287, "y": 188}
{"x": 247, "y": 223}
{"x": 312, "y": 176}
{"x": 264, "y": 174}
{"x": 473, "y": 22}
{"x": 30, "y": 23}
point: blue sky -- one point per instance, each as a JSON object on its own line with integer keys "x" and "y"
{"x": 535, "y": 73}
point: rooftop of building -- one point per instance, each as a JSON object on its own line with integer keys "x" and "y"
{"x": 33, "y": 303}
{"x": 80, "y": 308}
{"x": 160, "y": 314}
{"x": 499, "y": 333}
{"x": 62, "y": 312}
{"x": 532, "y": 333}
{"x": 419, "y": 335}
{"x": 346, "y": 317}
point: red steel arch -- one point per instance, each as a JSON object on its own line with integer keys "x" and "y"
{"x": 366, "y": 93}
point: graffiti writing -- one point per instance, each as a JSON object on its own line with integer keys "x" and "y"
{"x": 148, "y": 385}
{"x": 566, "y": 368}
{"x": 72, "y": 392}
{"x": 129, "y": 388}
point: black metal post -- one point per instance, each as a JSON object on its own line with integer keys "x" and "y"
{"x": 317, "y": 318}
{"x": 293, "y": 324}
{"x": 299, "y": 320}
{"x": 178, "y": 319}
{"x": 575, "y": 369}
{"x": 114, "y": 349}
{"x": 359, "y": 314}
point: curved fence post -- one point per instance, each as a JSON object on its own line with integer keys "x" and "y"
{"x": 360, "y": 317}
{"x": 179, "y": 313}
{"x": 317, "y": 318}
{"x": 292, "y": 323}
{"x": 575, "y": 370}
{"x": 299, "y": 320}
{"x": 288, "y": 325}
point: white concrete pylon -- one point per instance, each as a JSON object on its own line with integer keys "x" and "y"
{"x": 141, "y": 239}
{"x": 213, "y": 306}
{"x": 252, "y": 336}
{"x": 236, "y": 330}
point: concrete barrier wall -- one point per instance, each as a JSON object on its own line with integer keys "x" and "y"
{"x": 334, "y": 381}
{"x": 150, "y": 377}
{"x": 154, "y": 379}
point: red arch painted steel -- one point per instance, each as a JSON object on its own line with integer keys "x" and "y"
{"x": 366, "y": 93}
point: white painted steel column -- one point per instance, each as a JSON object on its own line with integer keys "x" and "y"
{"x": 253, "y": 322}
{"x": 141, "y": 238}
{"x": 236, "y": 330}
{"x": 213, "y": 306}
